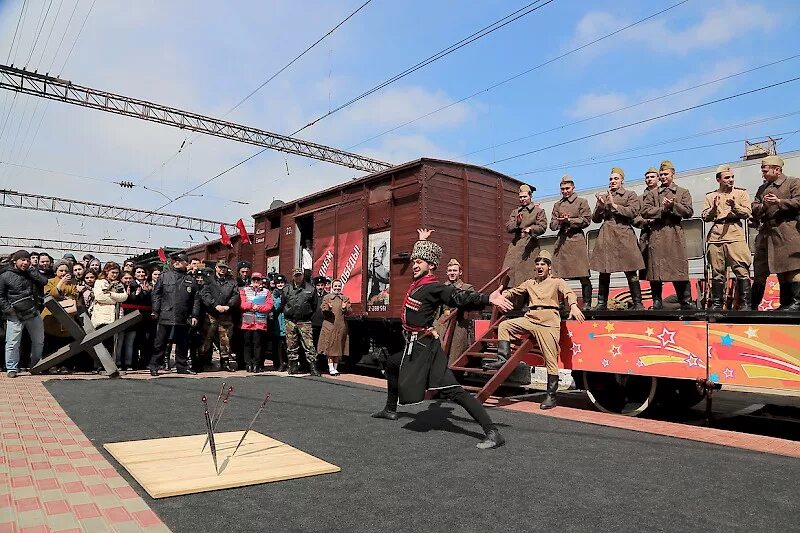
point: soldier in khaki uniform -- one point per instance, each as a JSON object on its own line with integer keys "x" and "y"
{"x": 667, "y": 206}
{"x": 460, "y": 340}
{"x": 776, "y": 208}
{"x": 571, "y": 214}
{"x": 616, "y": 249}
{"x": 525, "y": 224}
{"x": 650, "y": 183}
{"x": 542, "y": 321}
{"x": 727, "y": 207}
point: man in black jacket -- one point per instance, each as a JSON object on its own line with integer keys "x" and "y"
{"x": 220, "y": 297}
{"x": 176, "y": 307}
{"x": 21, "y": 289}
{"x": 300, "y": 305}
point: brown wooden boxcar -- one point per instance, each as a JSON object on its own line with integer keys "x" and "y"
{"x": 363, "y": 231}
{"x": 374, "y": 220}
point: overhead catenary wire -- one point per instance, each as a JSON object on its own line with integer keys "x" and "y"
{"x": 16, "y": 30}
{"x": 516, "y": 15}
{"x": 483, "y": 32}
{"x": 642, "y": 121}
{"x": 637, "y": 104}
{"x": 264, "y": 83}
{"x": 78, "y": 36}
{"x": 520, "y": 74}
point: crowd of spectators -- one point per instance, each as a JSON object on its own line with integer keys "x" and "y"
{"x": 231, "y": 320}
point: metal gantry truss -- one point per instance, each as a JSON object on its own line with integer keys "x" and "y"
{"x": 45, "y": 86}
{"x": 66, "y": 206}
{"x": 122, "y": 250}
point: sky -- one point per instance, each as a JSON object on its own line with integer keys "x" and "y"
{"x": 204, "y": 57}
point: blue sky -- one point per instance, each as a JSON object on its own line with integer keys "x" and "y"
{"x": 205, "y": 56}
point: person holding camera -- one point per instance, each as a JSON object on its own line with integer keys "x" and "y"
{"x": 20, "y": 301}
{"x": 109, "y": 292}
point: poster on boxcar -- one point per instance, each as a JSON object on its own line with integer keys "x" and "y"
{"x": 273, "y": 264}
{"x": 348, "y": 263}
{"x": 378, "y": 272}
{"x": 323, "y": 257}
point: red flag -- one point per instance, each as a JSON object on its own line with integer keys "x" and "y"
{"x": 223, "y": 234}
{"x": 162, "y": 256}
{"x": 243, "y": 231}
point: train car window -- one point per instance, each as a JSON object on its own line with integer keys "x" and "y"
{"x": 695, "y": 238}
{"x": 548, "y": 243}
{"x": 275, "y": 221}
{"x": 591, "y": 238}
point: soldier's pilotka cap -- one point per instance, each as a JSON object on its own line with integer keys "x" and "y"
{"x": 666, "y": 165}
{"x": 428, "y": 251}
{"x": 567, "y": 179}
{"x": 723, "y": 168}
{"x": 453, "y": 262}
{"x": 546, "y": 255}
{"x": 772, "y": 160}
{"x": 651, "y": 170}
{"x": 527, "y": 189}
{"x": 618, "y": 170}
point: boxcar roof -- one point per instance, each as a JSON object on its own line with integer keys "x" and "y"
{"x": 378, "y": 175}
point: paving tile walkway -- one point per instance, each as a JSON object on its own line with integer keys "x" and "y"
{"x": 52, "y": 478}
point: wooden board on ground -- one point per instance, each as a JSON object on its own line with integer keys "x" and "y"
{"x": 174, "y": 466}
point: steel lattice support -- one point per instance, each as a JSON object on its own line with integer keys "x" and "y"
{"x": 45, "y": 86}
{"x": 54, "y": 204}
{"x": 29, "y": 243}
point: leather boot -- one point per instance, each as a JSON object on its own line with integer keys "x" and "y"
{"x": 386, "y": 413}
{"x": 684, "y": 294}
{"x": 717, "y": 290}
{"x": 602, "y": 294}
{"x": 503, "y": 351}
{"x": 636, "y": 294}
{"x": 586, "y": 294}
{"x": 493, "y": 439}
{"x": 757, "y": 294}
{"x": 313, "y": 370}
{"x": 293, "y": 367}
{"x": 552, "y": 388}
{"x": 793, "y": 297}
{"x": 743, "y": 288}
{"x": 655, "y": 294}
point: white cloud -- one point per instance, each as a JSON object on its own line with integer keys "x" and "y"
{"x": 716, "y": 26}
{"x": 397, "y": 105}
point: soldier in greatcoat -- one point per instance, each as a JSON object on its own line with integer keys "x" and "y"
{"x": 571, "y": 214}
{"x": 333, "y": 338}
{"x": 777, "y": 207}
{"x": 667, "y": 206}
{"x": 525, "y": 223}
{"x": 422, "y": 364}
{"x": 460, "y": 341}
{"x": 650, "y": 182}
{"x": 727, "y": 209}
{"x": 616, "y": 249}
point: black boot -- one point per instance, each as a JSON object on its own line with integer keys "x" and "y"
{"x": 293, "y": 367}
{"x": 552, "y": 388}
{"x": 503, "y": 351}
{"x": 312, "y": 365}
{"x": 602, "y": 293}
{"x": 655, "y": 295}
{"x": 387, "y": 413}
{"x": 717, "y": 290}
{"x": 586, "y": 294}
{"x": 493, "y": 439}
{"x": 636, "y": 294}
{"x": 793, "y": 297}
{"x": 743, "y": 288}
{"x": 684, "y": 294}
{"x": 757, "y": 294}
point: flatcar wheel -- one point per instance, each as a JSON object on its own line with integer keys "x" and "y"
{"x": 622, "y": 394}
{"x": 677, "y": 395}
